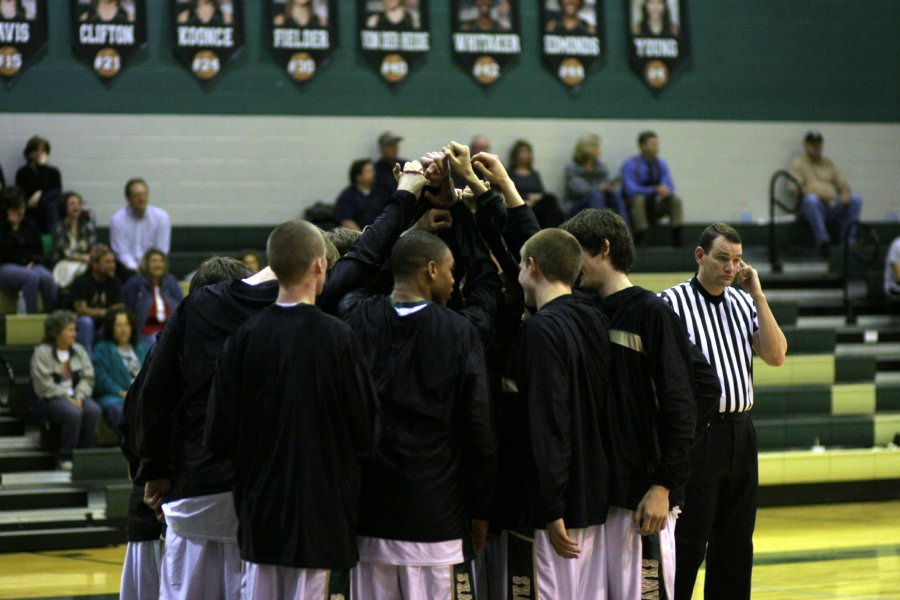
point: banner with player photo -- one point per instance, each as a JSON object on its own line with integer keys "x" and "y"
{"x": 658, "y": 40}
{"x": 23, "y": 34}
{"x": 107, "y": 34}
{"x": 208, "y": 34}
{"x": 485, "y": 37}
{"x": 304, "y": 33}
{"x": 572, "y": 38}
{"x": 393, "y": 35}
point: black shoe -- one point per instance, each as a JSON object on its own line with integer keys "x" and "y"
{"x": 825, "y": 250}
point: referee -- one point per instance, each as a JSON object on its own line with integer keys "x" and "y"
{"x": 720, "y": 495}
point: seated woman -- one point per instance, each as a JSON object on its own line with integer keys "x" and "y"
{"x": 21, "y": 254}
{"x": 73, "y": 237}
{"x": 531, "y": 188}
{"x": 117, "y": 360}
{"x": 63, "y": 378}
{"x": 152, "y": 295}
{"x": 587, "y": 180}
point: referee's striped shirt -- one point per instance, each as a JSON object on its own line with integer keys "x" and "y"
{"x": 722, "y": 327}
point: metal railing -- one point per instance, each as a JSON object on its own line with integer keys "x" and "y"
{"x": 785, "y": 193}
{"x": 863, "y": 252}
{"x": 7, "y": 380}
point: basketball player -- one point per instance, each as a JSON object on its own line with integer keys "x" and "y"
{"x": 562, "y": 374}
{"x": 143, "y": 555}
{"x": 191, "y": 486}
{"x": 652, "y": 413}
{"x": 428, "y": 486}
{"x": 292, "y": 404}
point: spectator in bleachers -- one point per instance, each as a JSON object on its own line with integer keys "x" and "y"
{"x": 137, "y": 227}
{"x": 827, "y": 196}
{"x": 95, "y": 293}
{"x": 892, "y": 274}
{"x": 252, "y": 259}
{"x": 530, "y": 186}
{"x": 73, "y": 237}
{"x": 63, "y": 377}
{"x": 385, "y": 182}
{"x": 22, "y": 254}
{"x": 356, "y": 206}
{"x": 152, "y": 295}
{"x": 117, "y": 360}
{"x": 41, "y": 183}
{"x": 649, "y": 190}
{"x": 588, "y": 184}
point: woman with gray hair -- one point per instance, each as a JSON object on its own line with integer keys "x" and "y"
{"x": 63, "y": 377}
{"x": 588, "y": 184}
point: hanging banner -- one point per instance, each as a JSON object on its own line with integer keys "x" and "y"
{"x": 304, "y": 32}
{"x": 107, "y": 34}
{"x": 23, "y": 34}
{"x": 393, "y": 35}
{"x": 208, "y": 34}
{"x": 572, "y": 40}
{"x": 485, "y": 37}
{"x": 658, "y": 39}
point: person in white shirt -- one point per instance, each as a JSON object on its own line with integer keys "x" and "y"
{"x": 137, "y": 227}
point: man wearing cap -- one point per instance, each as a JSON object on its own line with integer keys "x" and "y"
{"x": 826, "y": 194}
{"x": 385, "y": 184}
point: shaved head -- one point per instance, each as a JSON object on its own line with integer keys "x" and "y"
{"x": 292, "y": 248}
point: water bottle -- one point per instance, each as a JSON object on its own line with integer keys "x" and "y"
{"x": 746, "y": 215}
{"x": 894, "y": 214}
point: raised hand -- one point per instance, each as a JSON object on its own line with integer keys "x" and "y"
{"x": 412, "y": 178}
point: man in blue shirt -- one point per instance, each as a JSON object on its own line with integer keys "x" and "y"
{"x": 649, "y": 190}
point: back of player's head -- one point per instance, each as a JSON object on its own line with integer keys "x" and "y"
{"x": 343, "y": 238}
{"x": 709, "y": 235}
{"x": 216, "y": 269}
{"x": 556, "y": 253}
{"x": 292, "y": 248}
{"x": 592, "y": 226}
{"x": 414, "y": 251}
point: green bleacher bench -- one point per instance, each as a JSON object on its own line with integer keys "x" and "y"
{"x": 815, "y": 369}
{"x": 22, "y": 330}
{"x": 91, "y": 464}
{"x": 809, "y": 340}
{"x": 816, "y": 400}
{"x": 797, "y": 467}
{"x": 805, "y": 432}
{"x": 887, "y": 397}
{"x": 117, "y": 495}
{"x": 785, "y": 312}
{"x": 657, "y": 282}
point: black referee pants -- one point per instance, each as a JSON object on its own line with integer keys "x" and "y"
{"x": 719, "y": 511}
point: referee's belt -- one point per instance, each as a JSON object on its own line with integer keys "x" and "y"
{"x": 731, "y": 416}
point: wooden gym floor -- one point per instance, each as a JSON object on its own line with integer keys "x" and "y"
{"x": 838, "y": 551}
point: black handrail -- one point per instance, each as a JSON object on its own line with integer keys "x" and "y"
{"x": 774, "y": 201}
{"x": 6, "y": 394}
{"x": 866, "y": 237}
